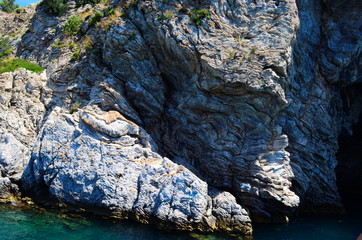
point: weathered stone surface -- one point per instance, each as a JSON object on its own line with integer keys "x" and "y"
{"x": 21, "y": 115}
{"x": 227, "y": 95}
{"x": 5, "y": 188}
{"x": 251, "y": 98}
{"x": 80, "y": 163}
{"x": 14, "y": 25}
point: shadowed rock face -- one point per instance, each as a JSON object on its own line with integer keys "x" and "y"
{"x": 187, "y": 122}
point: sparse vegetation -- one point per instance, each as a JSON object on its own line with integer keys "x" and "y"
{"x": 98, "y": 15}
{"x": 8, "y": 5}
{"x": 130, "y": 4}
{"x": 168, "y": 14}
{"x": 19, "y": 10}
{"x": 72, "y": 45}
{"x": 72, "y": 25}
{"x": 5, "y": 48}
{"x": 60, "y": 7}
{"x": 86, "y": 15}
{"x": 105, "y": 2}
{"x": 111, "y": 12}
{"x": 12, "y": 64}
{"x": 253, "y": 50}
{"x": 183, "y": 10}
{"x": 231, "y": 53}
{"x": 198, "y": 15}
{"x": 239, "y": 39}
{"x": 74, "y": 107}
{"x": 84, "y": 2}
{"x": 87, "y": 43}
{"x": 112, "y": 16}
{"x": 58, "y": 44}
{"x": 76, "y": 54}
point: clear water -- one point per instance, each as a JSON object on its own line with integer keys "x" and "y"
{"x": 39, "y": 224}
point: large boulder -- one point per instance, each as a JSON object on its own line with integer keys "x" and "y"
{"x": 100, "y": 160}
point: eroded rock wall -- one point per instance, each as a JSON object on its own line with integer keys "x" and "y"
{"x": 188, "y": 122}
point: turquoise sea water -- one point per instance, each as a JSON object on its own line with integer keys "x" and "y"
{"x": 39, "y": 224}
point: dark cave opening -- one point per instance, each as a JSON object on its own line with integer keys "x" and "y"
{"x": 349, "y": 168}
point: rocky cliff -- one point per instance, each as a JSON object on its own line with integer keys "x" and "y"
{"x": 203, "y": 115}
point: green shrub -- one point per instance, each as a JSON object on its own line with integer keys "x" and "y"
{"x": 74, "y": 107}
{"x": 168, "y": 14}
{"x": 76, "y": 54}
{"x": 98, "y": 15}
{"x": 130, "y": 4}
{"x": 88, "y": 43}
{"x": 5, "y": 48}
{"x": 13, "y": 64}
{"x": 253, "y": 50}
{"x": 239, "y": 39}
{"x": 60, "y": 7}
{"x": 55, "y": 7}
{"x": 72, "y": 25}
{"x": 58, "y": 44}
{"x": 72, "y": 45}
{"x": 198, "y": 15}
{"x": 111, "y": 12}
{"x": 84, "y": 2}
{"x": 8, "y": 5}
{"x": 19, "y": 10}
{"x": 183, "y": 10}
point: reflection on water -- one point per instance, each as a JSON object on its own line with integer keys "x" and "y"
{"x": 346, "y": 227}
{"x": 40, "y": 224}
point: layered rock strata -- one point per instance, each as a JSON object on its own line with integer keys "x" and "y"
{"x": 101, "y": 160}
{"x": 192, "y": 115}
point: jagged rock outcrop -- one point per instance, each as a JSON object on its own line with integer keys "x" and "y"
{"x": 22, "y": 111}
{"x": 102, "y": 160}
{"x": 244, "y": 96}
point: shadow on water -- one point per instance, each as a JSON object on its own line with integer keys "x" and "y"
{"x": 45, "y": 224}
{"x": 322, "y": 227}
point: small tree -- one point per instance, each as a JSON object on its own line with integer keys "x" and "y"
{"x": 55, "y": 7}
{"x": 72, "y": 25}
{"x": 8, "y": 5}
{"x": 83, "y": 2}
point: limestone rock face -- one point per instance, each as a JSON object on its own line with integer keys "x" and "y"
{"x": 179, "y": 100}
{"x": 5, "y": 188}
{"x": 100, "y": 159}
{"x": 21, "y": 116}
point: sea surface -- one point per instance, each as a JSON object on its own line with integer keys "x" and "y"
{"x": 18, "y": 223}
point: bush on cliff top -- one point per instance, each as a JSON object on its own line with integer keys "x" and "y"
{"x": 198, "y": 15}
{"x": 60, "y": 7}
{"x": 12, "y": 64}
{"x": 8, "y": 5}
{"x": 84, "y": 2}
{"x": 55, "y": 7}
{"x": 72, "y": 25}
